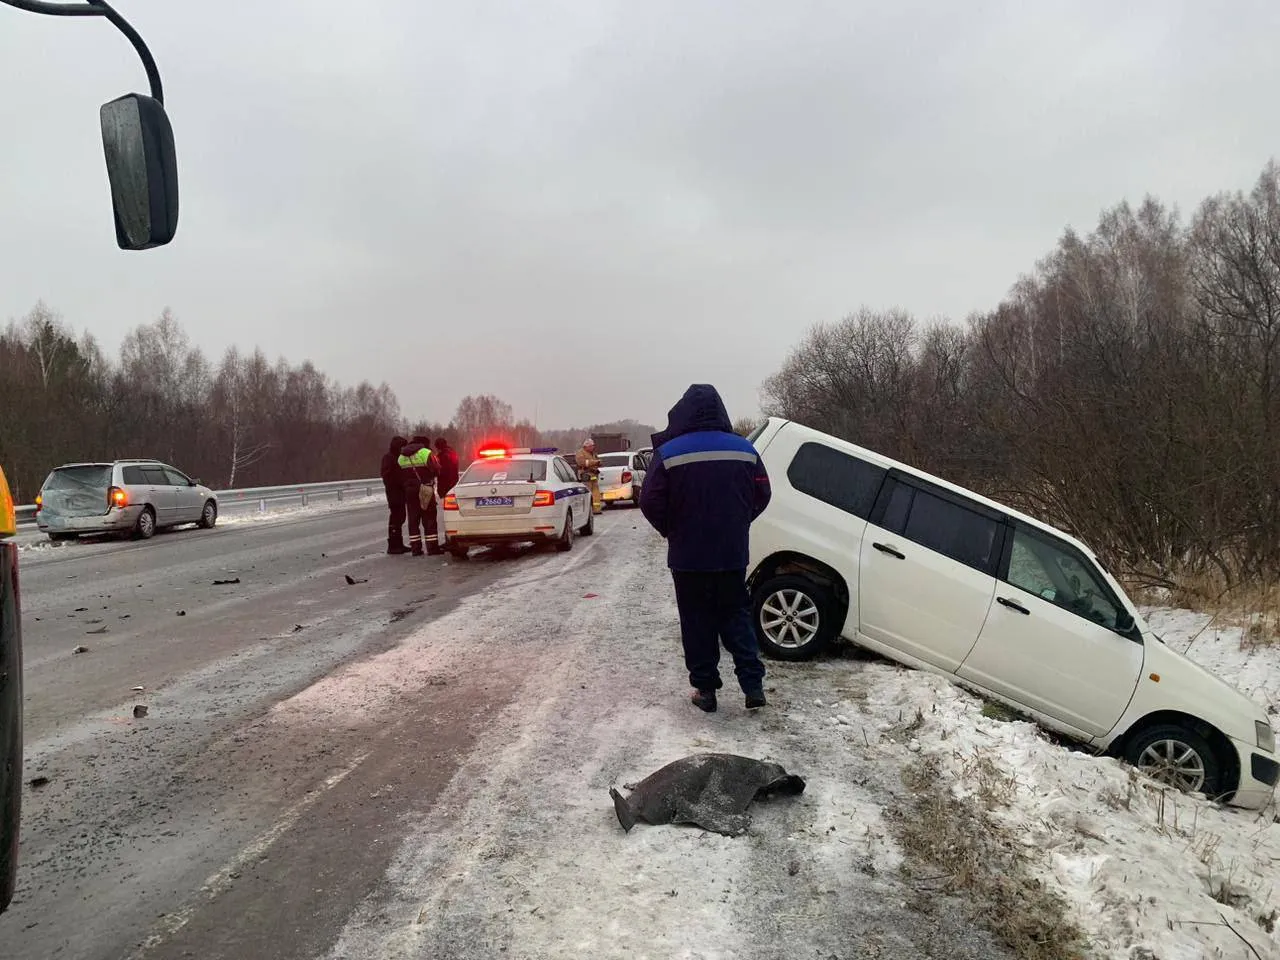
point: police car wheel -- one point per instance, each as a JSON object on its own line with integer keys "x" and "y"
{"x": 590, "y": 528}
{"x": 566, "y": 538}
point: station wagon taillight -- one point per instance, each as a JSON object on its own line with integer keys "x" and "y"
{"x": 117, "y": 497}
{"x": 544, "y": 498}
{"x": 39, "y": 502}
{"x": 626, "y": 476}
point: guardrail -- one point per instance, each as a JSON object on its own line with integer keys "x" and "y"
{"x": 302, "y": 493}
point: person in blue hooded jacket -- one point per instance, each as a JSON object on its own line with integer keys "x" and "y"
{"x": 705, "y": 487}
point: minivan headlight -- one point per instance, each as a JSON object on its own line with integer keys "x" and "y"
{"x": 1266, "y": 736}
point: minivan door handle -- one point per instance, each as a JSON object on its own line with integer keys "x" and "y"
{"x": 1013, "y": 605}
{"x": 885, "y": 548}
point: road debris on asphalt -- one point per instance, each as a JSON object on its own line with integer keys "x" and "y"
{"x": 708, "y": 790}
{"x": 140, "y": 711}
{"x": 226, "y": 583}
{"x": 79, "y": 650}
{"x": 352, "y": 581}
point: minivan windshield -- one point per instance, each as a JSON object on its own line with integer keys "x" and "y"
{"x": 90, "y": 477}
{"x": 500, "y": 471}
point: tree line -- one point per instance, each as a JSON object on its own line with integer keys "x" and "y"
{"x": 243, "y": 421}
{"x": 1127, "y": 390}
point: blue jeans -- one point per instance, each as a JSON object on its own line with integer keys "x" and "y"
{"x": 715, "y": 608}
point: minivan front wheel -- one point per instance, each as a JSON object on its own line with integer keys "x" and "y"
{"x": 793, "y": 617}
{"x": 209, "y": 516}
{"x": 1178, "y": 757}
{"x": 145, "y": 526}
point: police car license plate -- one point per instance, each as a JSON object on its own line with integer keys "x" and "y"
{"x": 495, "y": 501}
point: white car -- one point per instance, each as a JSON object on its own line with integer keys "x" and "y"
{"x": 939, "y": 578}
{"x": 517, "y": 496}
{"x": 622, "y": 476}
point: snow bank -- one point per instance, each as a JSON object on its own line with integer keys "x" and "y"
{"x": 1149, "y": 872}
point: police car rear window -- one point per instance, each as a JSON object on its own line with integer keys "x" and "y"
{"x": 92, "y": 477}
{"x": 499, "y": 471}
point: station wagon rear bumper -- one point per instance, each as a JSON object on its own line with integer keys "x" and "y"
{"x": 118, "y": 519}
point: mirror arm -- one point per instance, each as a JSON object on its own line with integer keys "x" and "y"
{"x": 100, "y": 8}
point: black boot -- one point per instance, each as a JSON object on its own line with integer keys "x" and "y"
{"x": 704, "y": 700}
{"x": 396, "y": 547}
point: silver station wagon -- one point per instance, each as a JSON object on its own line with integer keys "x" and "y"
{"x": 130, "y": 497}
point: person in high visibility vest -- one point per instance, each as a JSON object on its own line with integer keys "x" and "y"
{"x": 420, "y": 471}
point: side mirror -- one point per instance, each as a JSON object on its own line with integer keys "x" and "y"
{"x": 142, "y": 167}
{"x": 1124, "y": 622}
{"x": 193, "y": 482}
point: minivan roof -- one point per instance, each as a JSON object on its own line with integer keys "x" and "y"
{"x": 891, "y": 464}
{"x": 101, "y": 463}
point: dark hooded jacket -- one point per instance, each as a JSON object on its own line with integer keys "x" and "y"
{"x": 392, "y": 478}
{"x": 448, "y": 466}
{"x": 705, "y": 485}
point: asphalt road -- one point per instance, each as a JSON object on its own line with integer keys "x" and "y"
{"x": 143, "y": 820}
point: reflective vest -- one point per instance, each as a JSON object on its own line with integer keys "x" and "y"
{"x": 420, "y": 458}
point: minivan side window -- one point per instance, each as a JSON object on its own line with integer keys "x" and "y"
{"x": 155, "y": 476}
{"x": 134, "y": 477}
{"x": 176, "y": 479}
{"x": 940, "y": 524}
{"x": 837, "y": 478}
{"x": 1055, "y": 572}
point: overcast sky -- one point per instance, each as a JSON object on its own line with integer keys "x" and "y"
{"x": 585, "y": 205}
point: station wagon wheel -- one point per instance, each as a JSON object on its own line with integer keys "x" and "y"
{"x": 209, "y": 516}
{"x": 1178, "y": 757}
{"x": 794, "y": 618}
{"x": 145, "y": 527}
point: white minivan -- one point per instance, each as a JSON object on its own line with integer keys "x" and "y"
{"x": 934, "y": 576}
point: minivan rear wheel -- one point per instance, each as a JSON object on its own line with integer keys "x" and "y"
{"x": 794, "y": 617}
{"x": 1177, "y": 756}
{"x": 145, "y": 526}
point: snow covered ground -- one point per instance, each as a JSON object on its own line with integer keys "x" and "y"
{"x": 523, "y": 856}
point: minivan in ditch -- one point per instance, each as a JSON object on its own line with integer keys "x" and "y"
{"x": 937, "y": 577}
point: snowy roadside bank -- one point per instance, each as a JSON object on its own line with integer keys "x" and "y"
{"x": 1150, "y": 873}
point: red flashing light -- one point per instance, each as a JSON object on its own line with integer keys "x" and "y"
{"x": 489, "y": 453}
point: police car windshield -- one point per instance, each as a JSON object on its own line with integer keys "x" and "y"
{"x": 615, "y": 459}
{"x": 499, "y": 471}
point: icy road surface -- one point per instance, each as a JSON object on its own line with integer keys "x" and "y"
{"x": 416, "y": 766}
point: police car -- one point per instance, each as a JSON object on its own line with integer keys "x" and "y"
{"x": 522, "y": 495}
